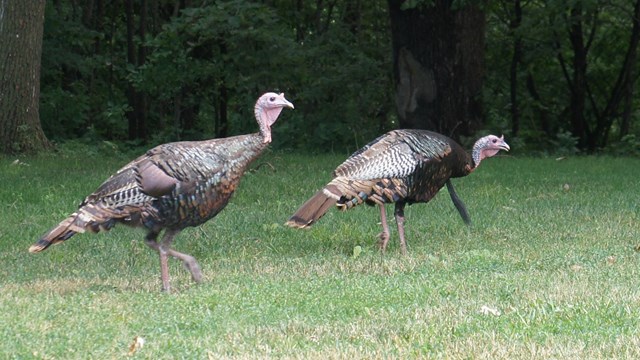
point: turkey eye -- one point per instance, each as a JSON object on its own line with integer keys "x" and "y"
{"x": 272, "y": 99}
{"x": 494, "y": 141}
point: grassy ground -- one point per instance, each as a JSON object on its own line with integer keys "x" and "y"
{"x": 548, "y": 270}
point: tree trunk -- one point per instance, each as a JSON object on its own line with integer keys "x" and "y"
{"x": 579, "y": 126}
{"x": 131, "y": 59}
{"x": 222, "y": 112}
{"x": 516, "y": 59}
{"x": 438, "y": 56}
{"x": 136, "y": 116}
{"x": 21, "y": 25}
{"x": 623, "y": 89}
{"x": 142, "y": 99}
{"x": 541, "y": 110}
{"x": 627, "y": 108}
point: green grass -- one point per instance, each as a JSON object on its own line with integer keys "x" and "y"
{"x": 555, "y": 269}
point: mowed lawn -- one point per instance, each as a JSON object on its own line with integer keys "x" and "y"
{"x": 549, "y": 269}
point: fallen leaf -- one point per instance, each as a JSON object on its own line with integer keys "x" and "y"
{"x": 487, "y": 310}
{"x": 576, "y": 267}
{"x": 18, "y": 162}
{"x": 138, "y": 343}
{"x": 356, "y": 251}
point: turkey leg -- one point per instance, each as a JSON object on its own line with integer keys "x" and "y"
{"x": 189, "y": 261}
{"x": 384, "y": 235}
{"x": 152, "y": 241}
{"x": 399, "y": 214}
{"x": 458, "y": 203}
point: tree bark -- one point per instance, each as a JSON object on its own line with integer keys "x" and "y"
{"x": 142, "y": 99}
{"x": 21, "y": 25}
{"x": 136, "y": 116}
{"x": 516, "y": 59}
{"x": 623, "y": 89}
{"x": 541, "y": 110}
{"x": 131, "y": 59}
{"x": 579, "y": 126}
{"x": 438, "y": 56}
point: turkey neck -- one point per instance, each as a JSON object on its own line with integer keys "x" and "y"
{"x": 471, "y": 160}
{"x": 462, "y": 162}
{"x": 476, "y": 155}
{"x": 266, "y": 118}
{"x": 239, "y": 151}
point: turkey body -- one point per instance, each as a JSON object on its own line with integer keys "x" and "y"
{"x": 401, "y": 167}
{"x": 171, "y": 187}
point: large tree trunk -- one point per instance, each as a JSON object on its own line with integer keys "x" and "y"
{"x": 21, "y": 24}
{"x": 438, "y": 55}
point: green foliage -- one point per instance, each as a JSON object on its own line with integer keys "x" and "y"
{"x": 333, "y": 60}
{"x": 82, "y": 77}
{"x": 629, "y": 145}
{"x": 65, "y": 113}
{"x": 564, "y": 144}
{"x": 346, "y": 105}
{"x": 546, "y": 49}
{"x": 548, "y": 270}
{"x": 223, "y": 54}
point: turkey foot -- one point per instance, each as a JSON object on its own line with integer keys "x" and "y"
{"x": 189, "y": 263}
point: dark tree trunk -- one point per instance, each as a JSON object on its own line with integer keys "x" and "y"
{"x": 579, "y": 126}
{"x": 142, "y": 100}
{"x": 222, "y": 118}
{"x": 438, "y": 56}
{"x": 131, "y": 59}
{"x": 222, "y": 112}
{"x": 21, "y": 25}
{"x": 624, "y": 87}
{"x": 353, "y": 15}
{"x": 590, "y": 138}
{"x": 541, "y": 110}
{"x": 300, "y": 29}
{"x": 136, "y": 116}
{"x": 516, "y": 59}
{"x": 625, "y": 122}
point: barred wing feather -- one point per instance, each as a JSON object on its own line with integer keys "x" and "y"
{"x": 396, "y": 154}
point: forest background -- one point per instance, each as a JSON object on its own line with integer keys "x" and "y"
{"x": 555, "y": 77}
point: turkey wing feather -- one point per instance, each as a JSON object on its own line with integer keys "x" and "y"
{"x": 396, "y": 154}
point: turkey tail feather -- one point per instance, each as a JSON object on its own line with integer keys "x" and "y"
{"x": 62, "y": 232}
{"x": 315, "y": 208}
{"x": 87, "y": 218}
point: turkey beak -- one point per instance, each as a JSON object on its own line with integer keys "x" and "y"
{"x": 284, "y": 102}
{"x": 503, "y": 145}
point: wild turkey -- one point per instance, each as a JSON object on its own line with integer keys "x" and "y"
{"x": 171, "y": 187}
{"x": 401, "y": 167}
